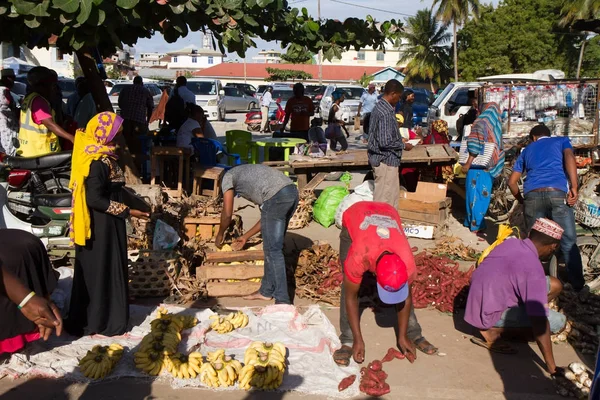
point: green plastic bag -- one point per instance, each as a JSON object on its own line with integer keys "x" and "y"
{"x": 327, "y": 204}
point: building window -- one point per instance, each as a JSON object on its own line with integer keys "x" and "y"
{"x": 210, "y": 60}
{"x": 194, "y": 60}
{"x": 174, "y": 59}
{"x": 380, "y": 56}
{"x": 360, "y": 56}
{"x": 59, "y": 55}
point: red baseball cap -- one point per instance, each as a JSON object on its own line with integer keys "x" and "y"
{"x": 392, "y": 279}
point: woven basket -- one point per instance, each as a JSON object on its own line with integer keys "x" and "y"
{"x": 148, "y": 272}
{"x": 300, "y": 219}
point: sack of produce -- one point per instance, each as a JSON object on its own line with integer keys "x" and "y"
{"x": 327, "y": 204}
{"x": 363, "y": 192}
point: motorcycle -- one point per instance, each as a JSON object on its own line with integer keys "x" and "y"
{"x": 253, "y": 120}
{"x": 32, "y": 176}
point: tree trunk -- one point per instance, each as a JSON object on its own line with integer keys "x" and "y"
{"x": 581, "y": 52}
{"x": 90, "y": 71}
{"x": 431, "y": 85}
{"x": 455, "y": 54}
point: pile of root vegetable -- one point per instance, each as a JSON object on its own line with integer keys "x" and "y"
{"x": 576, "y": 381}
{"x": 583, "y": 317}
{"x": 439, "y": 283}
{"x": 319, "y": 275}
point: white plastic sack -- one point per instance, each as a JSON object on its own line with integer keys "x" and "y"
{"x": 363, "y": 192}
{"x": 165, "y": 237}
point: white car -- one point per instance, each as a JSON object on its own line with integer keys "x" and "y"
{"x": 349, "y": 107}
{"x": 210, "y": 96}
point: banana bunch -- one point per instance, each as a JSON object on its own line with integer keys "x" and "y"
{"x": 167, "y": 324}
{"x": 238, "y": 319}
{"x": 221, "y": 371}
{"x": 184, "y": 366}
{"x": 100, "y": 361}
{"x": 151, "y": 362}
{"x": 220, "y": 324}
{"x": 264, "y": 366}
{"x": 257, "y": 280}
{"x": 160, "y": 342}
{"x": 187, "y": 321}
{"x": 260, "y": 375}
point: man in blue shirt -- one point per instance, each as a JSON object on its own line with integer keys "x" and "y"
{"x": 550, "y": 190}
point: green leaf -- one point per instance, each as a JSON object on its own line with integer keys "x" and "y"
{"x": 97, "y": 17}
{"x": 32, "y": 23}
{"x": 127, "y": 4}
{"x": 249, "y": 20}
{"x": 264, "y": 3}
{"x": 313, "y": 26}
{"x": 177, "y": 9}
{"x": 68, "y": 6}
{"x": 86, "y": 9}
{"x": 37, "y": 9}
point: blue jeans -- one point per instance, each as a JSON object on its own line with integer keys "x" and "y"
{"x": 554, "y": 205}
{"x": 516, "y": 317}
{"x": 274, "y": 219}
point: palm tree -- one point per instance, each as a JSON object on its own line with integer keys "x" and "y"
{"x": 579, "y": 9}
{"x": 425, "y": 47}
{"x": 456, "y": 12}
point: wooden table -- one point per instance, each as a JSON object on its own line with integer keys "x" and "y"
{"x": 159, "y": 154}
{"x": 357, "y": 160}
{"x": 286, "y": 143}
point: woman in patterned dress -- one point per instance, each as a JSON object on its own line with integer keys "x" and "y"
{"x": 100, "y": 295}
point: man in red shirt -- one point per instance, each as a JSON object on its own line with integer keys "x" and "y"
{"x": 372, "y": 240}
{"x": 299, "y": 108}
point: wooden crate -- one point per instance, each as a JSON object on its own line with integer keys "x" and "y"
{"x": 432, "y": 213}
{"x": 216, "y": 275}
{"x": 201, "y": 226}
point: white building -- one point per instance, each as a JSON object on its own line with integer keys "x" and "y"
{"x": 193, "y": 58}
{"x": 267, "y": 57}
{"x": 369, "y": 57}
{"x": 149, "y": 60}
{"x": 52, "y": 58}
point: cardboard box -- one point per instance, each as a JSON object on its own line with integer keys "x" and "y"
{"x": 419, "y": 231}
{"x": 427, "y": 204}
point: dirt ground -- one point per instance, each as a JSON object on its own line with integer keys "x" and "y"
{"x": 461, "y": 371}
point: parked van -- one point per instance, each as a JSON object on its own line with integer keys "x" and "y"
{"x": 210, "y": 96}
{"x": 352, "y": 93}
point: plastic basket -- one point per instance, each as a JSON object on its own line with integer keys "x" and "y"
{"x": 148, "y": 272}
{"x": 587, "y": 214}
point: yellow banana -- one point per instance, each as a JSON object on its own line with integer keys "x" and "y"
{"x": 280, "y": 348}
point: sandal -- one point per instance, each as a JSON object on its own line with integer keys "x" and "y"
{"x": 342, "y": 356}
{"x": 425, "y": 347}
{"x": 495, "y": 347}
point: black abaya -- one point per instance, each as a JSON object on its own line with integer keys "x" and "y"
{"x": 100, "y": 293}
{"x": 25, "y": 256}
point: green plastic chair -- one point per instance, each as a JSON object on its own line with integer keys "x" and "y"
{"x": 239, "y": 142}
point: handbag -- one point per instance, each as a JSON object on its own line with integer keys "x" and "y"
{"x": 333, "y": 131}
{"x": 483, "y": 160}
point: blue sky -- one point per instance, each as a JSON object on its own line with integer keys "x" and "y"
{"x": 329, "y": 9}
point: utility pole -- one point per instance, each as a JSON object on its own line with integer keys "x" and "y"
{"x": 581, "y": 57}
{"x": 321, "y": 49}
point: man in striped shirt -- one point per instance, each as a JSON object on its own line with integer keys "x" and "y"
{"x": 386, "y": 145}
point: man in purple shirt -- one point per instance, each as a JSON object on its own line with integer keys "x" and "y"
{"x": 510, "y": 293}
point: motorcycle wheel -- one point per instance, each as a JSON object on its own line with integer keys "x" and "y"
{"x": 587, "y": 246}
{"x": 503, "y": 203}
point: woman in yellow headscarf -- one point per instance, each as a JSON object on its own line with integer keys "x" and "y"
{"x": 99, "y": 296}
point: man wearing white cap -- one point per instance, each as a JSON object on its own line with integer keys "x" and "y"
{"x": 510, "y": 293}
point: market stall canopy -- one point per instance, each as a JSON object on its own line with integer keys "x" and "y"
{"x": 16, "y": 64}
{"x": 546, "y": 75}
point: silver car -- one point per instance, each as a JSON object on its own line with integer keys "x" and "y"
{"x": 114, "y": 93}
{"x": 236, "y": 100}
